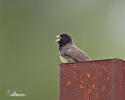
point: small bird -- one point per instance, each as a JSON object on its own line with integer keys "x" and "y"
{"x": 68, "y": 51}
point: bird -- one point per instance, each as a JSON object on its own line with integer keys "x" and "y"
{"x": 68, "y": 51}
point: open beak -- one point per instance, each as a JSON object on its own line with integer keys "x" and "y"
{"x": 58, "y": 38}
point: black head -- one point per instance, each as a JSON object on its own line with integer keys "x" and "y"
{"x": 63, "y": 39}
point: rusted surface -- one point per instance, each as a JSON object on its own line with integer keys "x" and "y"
{"x": 92, "y": 80}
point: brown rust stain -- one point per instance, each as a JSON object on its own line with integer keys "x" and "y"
{"x": 68, "y": 83}
{"x": 108, "y": 78}
{"x": 81, "y": 86}
{"x": 109, "y": 71}
{"x": 88, "y": 92}
{"x": 93, "y": 86}
{"x": 85, "y": 96}
{"x": 88, "y": 75}
{"x": 103, "y": 88}
{"x": 81, "y": 81}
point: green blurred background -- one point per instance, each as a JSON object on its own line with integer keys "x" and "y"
{"x": 28, "y": 51}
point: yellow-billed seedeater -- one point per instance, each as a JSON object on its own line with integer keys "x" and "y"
{"x": 68, "y": 51}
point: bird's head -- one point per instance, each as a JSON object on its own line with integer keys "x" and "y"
{"x": 63, "y": 39}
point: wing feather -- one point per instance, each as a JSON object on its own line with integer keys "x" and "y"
{"x": 76, "y": 54}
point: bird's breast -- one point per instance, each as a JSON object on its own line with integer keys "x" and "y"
{"x": 66, "y": 59}
{"x": 63, "y": 59}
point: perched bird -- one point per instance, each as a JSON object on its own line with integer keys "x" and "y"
{"x": 68, "y": 51}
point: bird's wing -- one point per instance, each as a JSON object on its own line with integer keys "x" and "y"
{"x": 76, "y": 54}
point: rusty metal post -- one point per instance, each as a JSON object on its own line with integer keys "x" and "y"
{"x": 92, "y": 80}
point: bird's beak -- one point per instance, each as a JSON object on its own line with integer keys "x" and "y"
{"x": 58, "y": 38}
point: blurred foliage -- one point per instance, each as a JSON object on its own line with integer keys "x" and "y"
{"x": 28, "y": 51}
